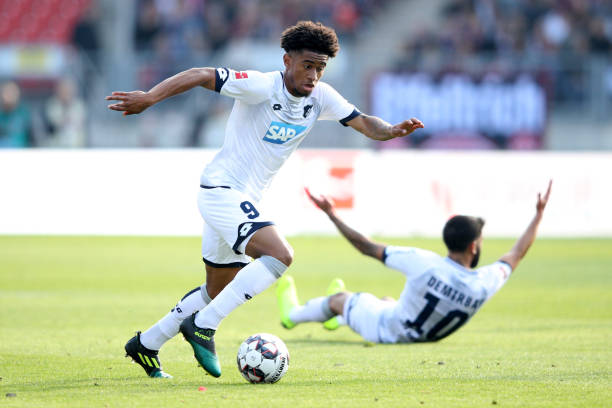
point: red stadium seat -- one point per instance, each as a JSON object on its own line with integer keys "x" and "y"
{"x": 39, "y": 21}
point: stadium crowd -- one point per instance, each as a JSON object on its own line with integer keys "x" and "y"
{"x": 546, "y": 35}
{"x": 507, "y": 28}
{"x": 169, "y": 32}
{"x": 519, "y": 26}
{"x": 555, "y": 36}
{"x": 209, "y": 25}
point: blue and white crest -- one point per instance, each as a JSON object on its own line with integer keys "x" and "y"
{"x": 279, "y": 133}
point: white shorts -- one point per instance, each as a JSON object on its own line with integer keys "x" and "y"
{"x": 230, "y": 219}
{"x": 363, "y": 312}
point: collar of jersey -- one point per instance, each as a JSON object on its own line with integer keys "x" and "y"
{"x": 459, "y": 266}
{"x": 292, "y": 99}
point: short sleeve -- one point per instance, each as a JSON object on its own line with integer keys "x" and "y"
{"x": 494, "y": 276}
{"x": 334, "y": 106}
{"x": 251, "y": 87}
{"x": 408, "y": 260}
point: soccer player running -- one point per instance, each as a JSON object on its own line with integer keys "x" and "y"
{"x": 440, "y": 295}
{"x": 272, "y": 114}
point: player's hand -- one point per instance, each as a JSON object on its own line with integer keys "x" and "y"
{"x": 543, "y": 200}
{"x": 406, "y": 127}
{"x": 131, "y": 102}
{"x": 326, "y": 204}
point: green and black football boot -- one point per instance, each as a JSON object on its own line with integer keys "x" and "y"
{"x": 203, "y": 343}
{"x": 146, "y": 358}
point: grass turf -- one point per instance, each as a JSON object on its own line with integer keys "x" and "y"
{"x": 70, "y": 303}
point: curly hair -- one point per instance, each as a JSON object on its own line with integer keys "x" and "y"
{"x": 307, "y": 35}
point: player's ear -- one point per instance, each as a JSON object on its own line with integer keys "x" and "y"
{"x": 473, "y": 247}
{"x": 287, "y": 60}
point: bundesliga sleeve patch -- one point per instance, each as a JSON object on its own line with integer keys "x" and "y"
{"x": 241, "y": 75}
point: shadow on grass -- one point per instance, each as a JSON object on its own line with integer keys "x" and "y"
{"x": 127, "y": 384}
{"x": 307, "y": 340}
{"x": 357, "y": 343}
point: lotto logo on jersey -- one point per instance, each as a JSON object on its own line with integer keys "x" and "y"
{"x": 279, "y": 133}
{"x": 222, "y": 72}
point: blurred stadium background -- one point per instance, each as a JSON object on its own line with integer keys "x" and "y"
{"x": 512, "y": 93}
{"x": 482, "y": 74}
{"x": 486, "y": 76}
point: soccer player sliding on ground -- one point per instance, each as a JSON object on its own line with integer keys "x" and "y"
{"x": 440, "y": 295}
{"x": 272, "y": 114}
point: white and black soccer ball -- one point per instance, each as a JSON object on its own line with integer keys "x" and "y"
{"x": 263, "y": 358}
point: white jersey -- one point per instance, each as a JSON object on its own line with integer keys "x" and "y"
{"x": 266, "y": 125}
{"x": 439, "y": 296}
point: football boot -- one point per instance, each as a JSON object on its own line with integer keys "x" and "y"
{"x": 144, "y": 357}
{"x": 286, "y": 297}
{"x": 203, "y": 343}
{"x": 336, "y": 286}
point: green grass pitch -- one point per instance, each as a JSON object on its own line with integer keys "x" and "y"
{"x": 70, "y": 303}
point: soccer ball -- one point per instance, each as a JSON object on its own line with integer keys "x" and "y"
{"x": 263, "y": 358}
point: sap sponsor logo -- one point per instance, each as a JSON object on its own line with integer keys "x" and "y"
{"x": 279, "y": 133}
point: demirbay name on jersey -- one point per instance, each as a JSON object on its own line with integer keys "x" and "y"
{"x": 439, "y": 295}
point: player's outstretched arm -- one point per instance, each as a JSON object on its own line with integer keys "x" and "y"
{"x": 377, "y": 129}
{"x": 521, "y": 246}
{"x": 363, "y": 244}
{"x": 134, "y": 102}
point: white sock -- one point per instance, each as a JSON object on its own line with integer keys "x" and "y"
{"x": 168, "y": 326}
{"x": 250, "y": 281}
{"x": 315, "y": 310}
{"x": 341, "y": 320}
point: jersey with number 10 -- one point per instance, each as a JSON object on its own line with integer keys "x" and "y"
{"x": 439, "y": 296}
{"x": 265, "y": 126}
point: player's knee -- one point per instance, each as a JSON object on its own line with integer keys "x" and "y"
{"x": 283, "y": 253}
{"x": 268, "y": 242}
{"x": 336, "y": 302}
{"x": 275, "y": 266}
{"x": 286, "y": 256}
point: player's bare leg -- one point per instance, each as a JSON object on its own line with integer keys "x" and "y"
{"x": 269, "y": 242}
{"x": 337, "y": 301}
{"x": 218, "y": 278}
{"x": 273, "y": 255}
